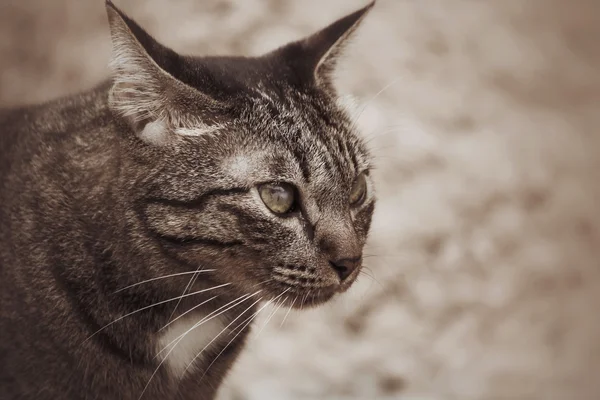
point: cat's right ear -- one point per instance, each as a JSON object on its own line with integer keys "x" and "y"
{"x": 144, "y": 92}
{"x": 314, "y": 58}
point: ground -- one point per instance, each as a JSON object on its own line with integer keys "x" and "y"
{"x": 485, "y": 250}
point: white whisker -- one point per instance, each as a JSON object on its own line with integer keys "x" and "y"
{"x": 207, "y": 318}
{"x": 188, "y": 311}
{"x": 246, "y": 322}
{"x": 154, "y": 305}
{"x": 368, "y": 273}
{"x": 303, "y": 299}
{"x": 377, "y": 134}
{"x": 163, "y": 277}
{"x": 288, "y": 311}
{"x": 369, "y": 101}
{"x": 251, "y": 317}
{"x": 220, "y": 333}
{"x": 189, "y": 285}
{"x": 177, "y": 340}
{"x": 272, "y": 313}
{"x": 277, "y": 307}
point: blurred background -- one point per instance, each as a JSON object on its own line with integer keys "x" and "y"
{"x": 484, "y": 117}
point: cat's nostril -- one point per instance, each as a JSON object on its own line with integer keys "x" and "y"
{"x": 345, "y": 267}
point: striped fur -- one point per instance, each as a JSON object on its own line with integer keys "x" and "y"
{"x": 137, "y": 204}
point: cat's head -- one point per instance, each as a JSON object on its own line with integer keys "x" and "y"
{"x": 247, "y": 166}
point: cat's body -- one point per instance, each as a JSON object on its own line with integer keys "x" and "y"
{"x": 42, "y": 219}
{"x": 112, "y": 200}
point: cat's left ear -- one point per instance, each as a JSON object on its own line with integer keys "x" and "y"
{"x": 146, "y": 92}
{"x": 315, "y": 57}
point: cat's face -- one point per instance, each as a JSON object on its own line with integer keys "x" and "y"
{"x": 257, "y": 173}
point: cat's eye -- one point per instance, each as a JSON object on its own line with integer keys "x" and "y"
{"x": 358, "y": 193}
{"x": 278, "y": 197}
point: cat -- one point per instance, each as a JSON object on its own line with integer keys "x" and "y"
{"x": 143, "y": 224}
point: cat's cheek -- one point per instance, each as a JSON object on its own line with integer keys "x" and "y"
{"x": 206, "y": 254}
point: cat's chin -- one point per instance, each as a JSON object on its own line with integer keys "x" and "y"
{"x": 315, "y": 300}
{"x": 295, "y": 297}
{"x": 315, "y": 297}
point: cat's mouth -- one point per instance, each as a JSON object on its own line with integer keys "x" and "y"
{"x": 301, "y": 294}
{"x": 316, "y": 299}
{"x": 303, "y": 299}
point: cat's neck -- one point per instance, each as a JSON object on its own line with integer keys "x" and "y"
{"x": 92, "y": 207}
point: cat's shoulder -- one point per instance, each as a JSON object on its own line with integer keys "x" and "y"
{"x": 44, "y": 128}
{"x": 56, "y": 115}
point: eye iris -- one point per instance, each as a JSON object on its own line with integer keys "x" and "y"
{"x": 359, "y": 190}
{"x": 279, "y": 198}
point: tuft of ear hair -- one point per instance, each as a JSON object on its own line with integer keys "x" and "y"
{"x": 314, "y": 58}
{"x": 143, "y": 91}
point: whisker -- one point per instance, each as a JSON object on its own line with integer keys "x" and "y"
{"x": 302, "y": 300}
{"x": 274, "y": 311}
{"x": 188, "y": 311}
{"x": 369, "y": 101}
{"x": 377, "y": 133}
{"x": 204, "y": 302}
{"x": 180, "y": 338}
{"x": 154, "y": 305}
{"x": 207, "y": 318}
{"x": 362, "y": 272}
{"x": 163, "y": 277}
{"x": 278, "y": 307}
{"x": 220, "y": 333}
{"x": 189, "y": 285}
{"x": 288, "y": 311}
{"x": 367, "y": 271}
{"x": 251, "y": 317}
{"x": 249, "y": 321}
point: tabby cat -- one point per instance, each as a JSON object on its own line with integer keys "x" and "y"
{"x": 144, "y": 223}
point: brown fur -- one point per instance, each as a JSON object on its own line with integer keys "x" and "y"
{"x": 155, "y": 173}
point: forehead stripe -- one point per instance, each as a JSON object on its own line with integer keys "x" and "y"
{"x": 302, "y": 162}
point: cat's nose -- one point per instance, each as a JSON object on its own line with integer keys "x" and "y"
{"x": 345, "y": 267}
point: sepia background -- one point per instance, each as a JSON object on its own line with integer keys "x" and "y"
{"x": 485, "y": 250}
